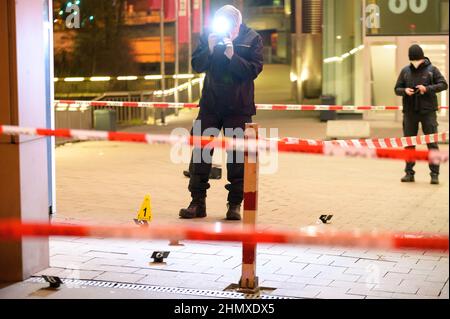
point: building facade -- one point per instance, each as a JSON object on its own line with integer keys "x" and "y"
{"x": 363, "y": 46}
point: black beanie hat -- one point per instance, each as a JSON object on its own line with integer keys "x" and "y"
{"x": 416, "y": 53}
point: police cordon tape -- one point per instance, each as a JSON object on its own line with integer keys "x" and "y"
{"x": 311, "y": 235}
{"x": 396, "y": 142}
{"x": 73, "y": 104}
{"x": 433, "y": 156}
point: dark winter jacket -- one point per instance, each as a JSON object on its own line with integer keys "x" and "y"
{"x": 229, "y": 84}
{"x": 427, "y": 75}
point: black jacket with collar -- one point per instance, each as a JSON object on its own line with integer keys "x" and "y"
{"x": 229, "y": 84}
{"x": 427, "y": 75}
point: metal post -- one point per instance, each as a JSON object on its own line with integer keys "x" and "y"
{"x": 177, "y": 54}
{"x": 189, "y": 13}
{"x": 249, "y": 281}
{"x": 202, "y": 20}
{"x": 201, "y": 16}
{"x": 163, "y": 59}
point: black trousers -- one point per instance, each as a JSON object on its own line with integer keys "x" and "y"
{"x": 201, "y": 161}
{"x": 411, "y": 128}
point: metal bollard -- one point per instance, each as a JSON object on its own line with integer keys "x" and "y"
{"x": 249, "y": 280}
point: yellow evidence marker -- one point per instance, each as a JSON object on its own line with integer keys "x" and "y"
{"x": 145, "y": 215}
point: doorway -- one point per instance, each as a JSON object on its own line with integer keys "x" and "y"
{"x": 386, "y": 56}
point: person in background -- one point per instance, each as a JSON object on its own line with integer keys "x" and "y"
{"x": 418, "y": 84}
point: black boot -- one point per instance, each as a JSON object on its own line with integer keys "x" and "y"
{"x": 216, "y": 173}
{"x": 408, "y": 178}
{"x": 434, "y": 179}
{"x": 234, "y": 211}
{"x": 196, "y": 209}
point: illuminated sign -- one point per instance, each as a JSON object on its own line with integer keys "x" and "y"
{"x": 406, "y": 17}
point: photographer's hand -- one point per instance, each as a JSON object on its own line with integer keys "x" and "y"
{"x": 229, "y": 51}
{"x": 213, "y": 40}
{"x": 409, "y": 91}
{"x": 422, "y": 89}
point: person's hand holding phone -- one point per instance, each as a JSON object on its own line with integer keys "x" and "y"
{"x": 422, "y": 89}
{"x": 410, "y": 92}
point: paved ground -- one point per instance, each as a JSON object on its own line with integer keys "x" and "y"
{"x": 100, "y": 182}
{"x": 104, "y": 183}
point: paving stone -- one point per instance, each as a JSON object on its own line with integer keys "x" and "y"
{"x": 307, "y": 258}
{"x": 211, "y": 258}
{"x": 187, "y": 268}
{"x": 425, "y": 288}
{"x": 203, "y": 284}
{"x": 325, "y": 269}
{"x": 229, "y": 279}
{"x": 79, "y": 274}
{"x": 338, "y": 276}
{"x": 410, "y": 296}
{"x": 52, "y": 271}
{"x": 399, "y": 276}
{"x": 156, "y": 273}
{"x": 326, "y": 251}
{"x": 401, "y": 288}
{"x": 442, "y": 278}
{"x": 371, "y": 279}
{"x": 222, "y": 271}
{"x": 72, "y": 258}
{"x": 375, "y": 263}
{"x": 202, "y": 249}
{"x": 294, "y": 269}
{"x": 161, "y": 282}
{"x": 120, "y": 277}
{"x": 337, "y": 295}
{"x": 110, "y": 261}
{"x": 361, "y": 291}
{"x": 113, "y": 269}
{"x": 310, "y": 281}
{"x": 309, "y": 294}
{"x": 343, "y": 261}
{"x": 274, "y": 277}
{"x": 280, "y": 259}
{"x": 106, "y": 255}
{"x": 350, "y": 284}
{"x": 282, "y": 285}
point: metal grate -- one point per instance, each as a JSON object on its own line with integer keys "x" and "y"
{"x": 172, "y": 290}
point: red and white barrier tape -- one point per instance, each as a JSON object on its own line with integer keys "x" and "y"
{"x": 432, "y": 156}
{"x": 72, "y": 104}
{"x": 14, "y": 230}
{"x": 383, "y": 143}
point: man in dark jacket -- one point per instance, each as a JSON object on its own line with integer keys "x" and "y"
{"x": 232, "y": 59}
{"x": 419, "y": 83}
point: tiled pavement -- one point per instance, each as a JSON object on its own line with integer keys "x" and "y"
{"x": 301, "y": 272}
{"x": 104, "y": 183}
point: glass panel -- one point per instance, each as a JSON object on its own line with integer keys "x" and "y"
{"x": 383, "y": 64}
{"x": 342, "y": 49}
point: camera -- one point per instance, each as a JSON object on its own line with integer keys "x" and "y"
{"x": 222, "y": 27}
